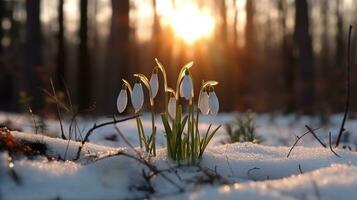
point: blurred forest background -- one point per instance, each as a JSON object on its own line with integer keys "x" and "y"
{"x": 268, "y": 55}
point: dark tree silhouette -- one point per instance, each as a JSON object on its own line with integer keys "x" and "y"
{"x": 118, "y": 50}
{"x": 324, "y": 68}
{"x": 247, "y": 59}
{"x": 33, "y": 54}
{"x": 287, "y": 57}
{"x": 223, "y": 24}
{"x": 84, "y": 65}
{"x": 61, "y": 56}
{"x": 2, "y": 11}
{"x": 3, "y": 90}
{"x": 249, "y": 27}
{"x": 235, "y": 22}
{"x": 340, "y": 58}
{"x": 156, "y": 31}
{"x": 303, "y": 45}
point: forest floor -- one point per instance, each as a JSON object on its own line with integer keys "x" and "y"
{"x": 107, "y": 170}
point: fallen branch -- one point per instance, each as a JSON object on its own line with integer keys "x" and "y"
{"x": 145, "y": 162}
{"x": 348, "y": 88}
{"x": 96, "y": 126}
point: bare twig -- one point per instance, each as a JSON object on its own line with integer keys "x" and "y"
{"x": 348, "y": 88}
{"x": 124, "y": 139}
{"x": 213, "y": 176}
{"x": 315, "y": 188}
{"x": 68, "y": 93}
{"x": 96, "y": 126}
{"x": 58, "y": 109}
{"x": 329, "y": 139}
{"x": 145, "y": 162}
{"x": 229, "y": 165}
{"x": 11, "y": 170}
{"x": 33, "y": 119}
{"x": 252, "y": 169}
{"x": 56, "y": 100}
{"x": 300, "y": 169}
{"x": 315, "y": 136}
{"x": 298, "y": 139}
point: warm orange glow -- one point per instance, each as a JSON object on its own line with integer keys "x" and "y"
{"x": 187, "y": 20}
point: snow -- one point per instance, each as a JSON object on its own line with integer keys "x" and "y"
{"x": 243, "y": 170}
{"x": 318, "y": 184}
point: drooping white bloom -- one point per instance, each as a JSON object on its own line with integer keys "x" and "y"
{"x": 203, "y": 103}
{"x": 122, "y": 100}
{"x": 154, "y": 84}
{"x": 137, "y": 97}
{"x": 213, "y": 103}
{"x": 186, "y": 87}
{"x": 171, "y": 107}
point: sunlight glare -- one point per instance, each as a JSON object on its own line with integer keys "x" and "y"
{"x": 191, "y": 23}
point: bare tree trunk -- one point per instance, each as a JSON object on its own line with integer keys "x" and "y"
{"x": 339, "y": 62}
{"x": 339, "y": 52}
{"x": 84, "y": 68}
{"x": 223, "y": 15}
{"x": 247, "y": 61}
{"x": 33, "y": 57}
{"x": 303, "y": 45}
{"x": 2, "y": 10}
{"x": 3, "y": 79}
{"x": 156, "y": 31}
{"x": 61, "y": 56}
{"x": 289, "y": 67}
{"x": 249, "y": 27}
{"x": 235, "y": 22}
{"x": 121, "y": 29}
{"x": 118, "y": 50}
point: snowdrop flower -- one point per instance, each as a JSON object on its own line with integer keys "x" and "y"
{"x": 122, "y": 100}
{"x": 154, "y": 83}
{"x": 213, "y": 103}
{"x": 137, "y": 96}
{"x": 203, "y": 102}
{"x": 186, "y": 87}
{"x": 171, "y": 107}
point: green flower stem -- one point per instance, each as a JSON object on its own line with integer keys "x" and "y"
{"x": 198, "y": 139}
{"x": 139, "y": 131}
{"x": 153, "y": 128}
{"x": 191, "y": 130}
{"x": 150, "y": 145}
{"x": 166, "y": 101}
{"x": 163, "y": 71}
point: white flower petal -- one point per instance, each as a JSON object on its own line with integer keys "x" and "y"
{"x": 171, "y": 107}
{"x": 186, "y": 87}
{"x": 122, "y": 100}
{"x": 203, "y": 103}
{"x": 213, "y": 103}
{"x": 137, "y": 97}
{"x": 154, "y": 84}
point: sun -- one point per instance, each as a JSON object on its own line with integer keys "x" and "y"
{"x": 191, "y": 23}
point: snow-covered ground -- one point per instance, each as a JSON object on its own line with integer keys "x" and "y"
{"x": 227, "y": 171}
